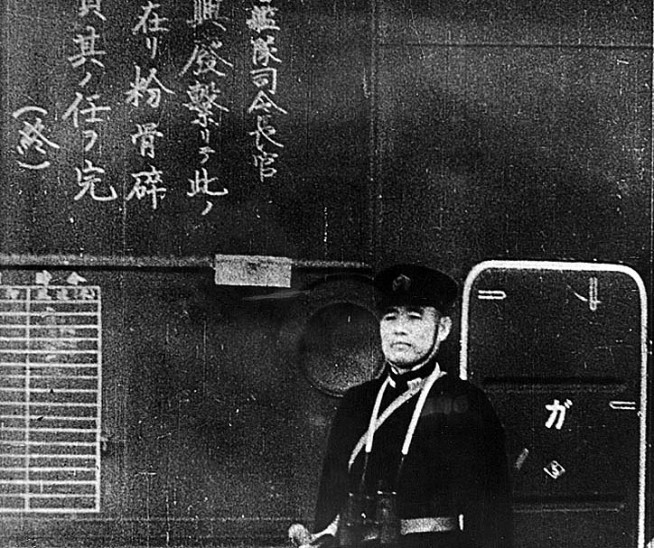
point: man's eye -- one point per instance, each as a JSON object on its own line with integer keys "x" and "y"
{"x": 415, "y": 316}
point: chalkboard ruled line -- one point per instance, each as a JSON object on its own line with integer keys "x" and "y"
{"x": 50, "y": 418}
{"x": 46, "y": 352}
{"x": 69, "y": 430}
{"x": 39, "y": 417}
{"x": 45, "y": 482}
{"x": 41, "y": 443}
{"x": 36, "y": 327}
{"x": 50, "y": 365}
{"x": 49, "y": 339}
{"x": 35, "y": 469}
{"x": 46, "y": 456}
{"x": 33, "y": 300}
{"x": 44, "y": 314}
{"x": 53, "y": 390}
{"x": 63, "y": 418}
{"x": 77, "y": 510}
{"x": 47, "y": 404}
{"x": 55, "y": 377}
{"x": 57, "y": 495}
{"x": 33, "y": 429}
{"x": 36, "y": 340}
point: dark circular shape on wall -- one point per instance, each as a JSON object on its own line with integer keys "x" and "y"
{"x": 339, "y": 347}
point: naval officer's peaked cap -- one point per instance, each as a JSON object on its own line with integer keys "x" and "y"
{"x": 414, "y": 285}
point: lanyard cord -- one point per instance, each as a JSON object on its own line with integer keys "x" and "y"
{"x": 395, "y": 404}
{"x": 375, "y": 414}
{"x": 375, "y": 423}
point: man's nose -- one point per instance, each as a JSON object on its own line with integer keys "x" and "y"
{"x": 400, "y": 325}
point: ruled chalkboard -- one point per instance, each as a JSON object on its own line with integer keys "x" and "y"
{"x": 185, "y": 128}
{"x": 152, "y": 407}
{"x": 50, "y": 398}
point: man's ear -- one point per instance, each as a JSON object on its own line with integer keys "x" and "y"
{"x": 444, "y": 328}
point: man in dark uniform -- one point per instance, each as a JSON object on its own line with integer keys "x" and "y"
{"x": 423, "y": 445}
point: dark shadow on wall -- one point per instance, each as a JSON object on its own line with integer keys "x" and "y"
{"x": 539, "y": 173}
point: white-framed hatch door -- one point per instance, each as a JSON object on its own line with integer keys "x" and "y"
{"x": 561, "y": 350}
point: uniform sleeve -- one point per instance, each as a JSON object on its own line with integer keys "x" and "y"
{"x": 487, "y": 511}
{"x": 334, "y": 480}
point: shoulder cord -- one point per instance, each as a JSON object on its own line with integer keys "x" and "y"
{"x": 376, "y": 421}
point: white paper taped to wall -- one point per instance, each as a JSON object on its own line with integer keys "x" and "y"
{"x": 253, "y": 270}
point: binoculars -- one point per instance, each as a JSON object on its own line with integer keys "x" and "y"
{"x": 369, "y": 520}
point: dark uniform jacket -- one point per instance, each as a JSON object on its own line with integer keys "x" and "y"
{"x": 456, "y": 463}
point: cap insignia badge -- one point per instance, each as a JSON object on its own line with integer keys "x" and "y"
{"x": 401, "y": 283}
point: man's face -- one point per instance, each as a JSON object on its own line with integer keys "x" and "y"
{"x": 408, "y": 333}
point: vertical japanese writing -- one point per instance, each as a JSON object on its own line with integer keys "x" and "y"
{"x": 147, "y": 91}
{"x": 151, "y": 25}
{"x": 86, "y": 111}
{"x": 208, "y": 67}
{"x": 33, "y": 144}
{"x": 127, "y": 68}
{"x": 263, "y": 74}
